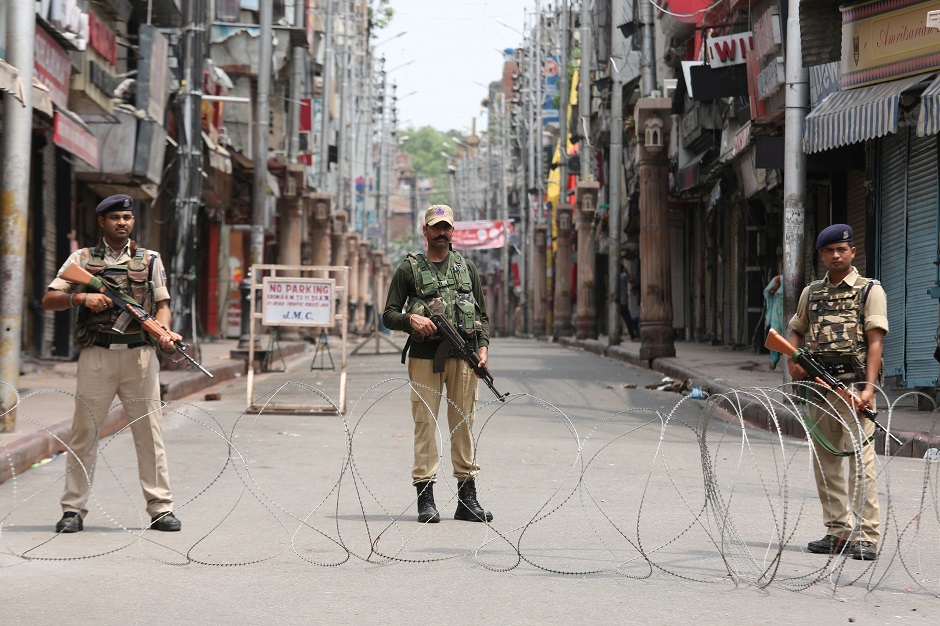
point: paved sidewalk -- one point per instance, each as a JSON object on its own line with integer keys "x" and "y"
{"x": 47, "y": 417}
{"x": 717, "y": 369}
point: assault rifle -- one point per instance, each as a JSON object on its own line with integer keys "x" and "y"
{"x": 463, "y": 349}
{"x": 805, "y": 359}
{"x": 129, "y": 308}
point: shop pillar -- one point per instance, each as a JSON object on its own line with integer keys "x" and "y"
{"x": 656, "y": 332}
{"x": 561, "y": 327}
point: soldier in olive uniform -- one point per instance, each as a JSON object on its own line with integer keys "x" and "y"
{"x": 843, "y": 320}
{"x": 116, "y": 363}
{"x": 441, "y": 282}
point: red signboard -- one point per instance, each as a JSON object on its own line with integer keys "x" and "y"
{"x": 102, "y": 39}
{"x": 479, "y": 235}
{"x": 71, "y": 137}
{"x": 306, "y": 115}
{"x": 53, "y": 67}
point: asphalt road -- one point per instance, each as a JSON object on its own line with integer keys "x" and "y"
{"x": 610, "y": 506}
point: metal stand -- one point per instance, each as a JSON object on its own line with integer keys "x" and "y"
{"x": 323, "y": 347}
{"x": 377, "y": 334}
{"x": 274, "y": 347}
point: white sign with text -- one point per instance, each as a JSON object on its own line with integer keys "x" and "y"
{"x": 297, "y": 301}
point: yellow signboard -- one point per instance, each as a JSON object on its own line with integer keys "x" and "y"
{"x": 885, "y": 40}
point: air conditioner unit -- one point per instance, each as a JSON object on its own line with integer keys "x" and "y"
{"x": 669, "y": 87}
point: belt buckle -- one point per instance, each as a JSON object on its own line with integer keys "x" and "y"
{"x": 118, "y": 346}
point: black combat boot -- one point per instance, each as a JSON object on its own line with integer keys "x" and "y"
{"x": 468, "y": 509}
{"x": 427, "y": 512}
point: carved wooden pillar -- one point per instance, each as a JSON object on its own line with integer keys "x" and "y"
{"x": 338, "y": 240}
{"x": 365, "y": 285}
{"x": 352, "y": 260}
{"x": 586, "y": 315}
{"x": 656, "y": 331}
{"x": 561, "y": 327}
{"x": 539, "y": 295}
{"x": 320, "y": 243}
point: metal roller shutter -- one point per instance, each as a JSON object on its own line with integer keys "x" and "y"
{"x": 892, "y": 192}
{"x": 919, "y": 308}
{"x": 855, "y": 182}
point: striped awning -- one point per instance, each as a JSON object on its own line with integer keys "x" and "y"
{"x": 928, "y": 123}
{"x": 854, "y": 115}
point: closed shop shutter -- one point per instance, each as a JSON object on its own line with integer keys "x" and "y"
{"x": 908, "y": 202}
{"x": 856, "y": 214}
{"x": 920, "y": 313}
{"x": 893, "y": 203}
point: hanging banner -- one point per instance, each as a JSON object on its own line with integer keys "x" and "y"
{"x": 479, "y": 235}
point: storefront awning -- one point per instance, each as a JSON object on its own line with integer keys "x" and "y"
{"x": 10, "y": 81}
{"x": 72, "y": 135}
{"x": 42, "y": 98}
{"x": 928, "y": 123}
{"x": 219, "y": 157}
{"x": 851, "y": 116}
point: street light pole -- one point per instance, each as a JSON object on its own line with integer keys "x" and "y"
{"x": 259, "y": 191}
{"x": 328, "y": 62}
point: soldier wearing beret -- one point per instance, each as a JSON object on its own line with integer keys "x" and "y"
{"x": 441, "y": 282}
{"x": 843, "y": 320}
{"x": 116, "y": 363}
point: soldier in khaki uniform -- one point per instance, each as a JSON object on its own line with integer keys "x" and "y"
{"x": 442, "y": 282}
{"x": 112, "y": 363}
{"x": 843, "y": 320}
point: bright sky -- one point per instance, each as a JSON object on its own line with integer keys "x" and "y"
{"x": 453, "y": 45}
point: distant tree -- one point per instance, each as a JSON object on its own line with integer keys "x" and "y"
{"x": 426, "y": 145}
{"x": 380, "y": 13}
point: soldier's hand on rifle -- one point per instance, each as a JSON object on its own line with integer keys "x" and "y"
{"x": 422, "y": 325}
{"x": 166, "y": 341}
{"x": 483, "y": 358}
{"x": 796, "y": 371}
{"x": 97, "y": 302}
{"x": 866, "y": 398}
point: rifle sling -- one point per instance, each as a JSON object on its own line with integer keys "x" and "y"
{"x": 812, "y": 427}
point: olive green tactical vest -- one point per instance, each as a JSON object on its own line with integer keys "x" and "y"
{"x": 449, "y": 294}
{"x": 132, "y": 279}
{"x": 837, "y": 326}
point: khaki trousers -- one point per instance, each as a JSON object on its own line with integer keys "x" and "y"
{"x": 846, "y": 499}
{"x": 461, "y": 385}
{"x": 133, "y": 375}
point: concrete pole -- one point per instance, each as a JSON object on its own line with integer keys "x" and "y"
{"x": 259, "y": 190}
{"x": 648, "y": 58}
{"x": 585, "y": 151}
{"x": 617, "y": 62}
{"x": 343, "y": 133}
{"x": 504, "y": 160}
{"x": 14, "y": 202}
{"x": 328, "y": 63}
{"x": 298, "y": 72}
{"x": 563, "y": 110}
{"x": 794, "y": 176}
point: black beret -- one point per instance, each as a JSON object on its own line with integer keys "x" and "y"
{"x": 120, "y": 202}
{"x": 837, "y": 233}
